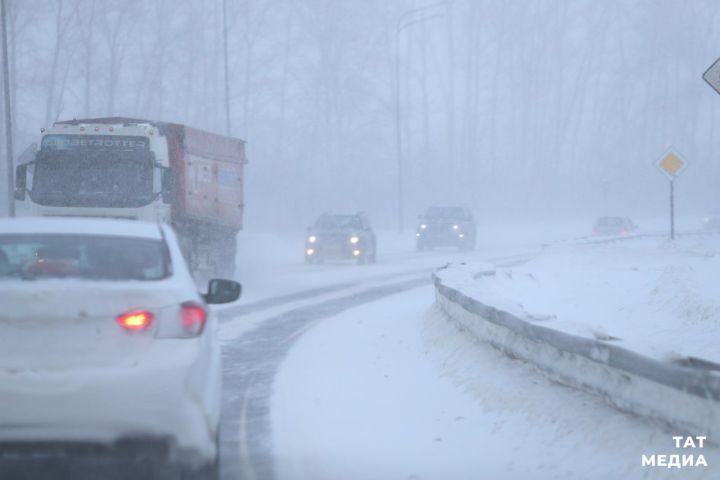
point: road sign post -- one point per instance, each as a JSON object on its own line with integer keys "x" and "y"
{"x": 672, "y": 210}
{"x": 672, "y": 166}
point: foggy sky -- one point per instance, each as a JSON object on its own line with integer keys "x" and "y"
{"x": 517, "y": 109}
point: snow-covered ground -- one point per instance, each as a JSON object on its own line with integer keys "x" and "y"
{"x": 392, "y": 390}
{"x": 654, "y": 296}
{"x": 270, "y": 265}
{"x": 326, "y": 385}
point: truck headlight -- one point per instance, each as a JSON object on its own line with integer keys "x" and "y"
{"x": 312, "y": 239}
{"x": 423, "y": 226}
{"x": 456, "y": 227}
{"x": 309, "y": 252}
{"x": 354, "y": 239}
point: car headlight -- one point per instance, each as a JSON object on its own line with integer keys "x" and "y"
{"x": 354, "y": 239}
{"x": 423, "y": 226}
{"x": 456, "y": 227}
{"x": 312, "y": 239}
{"x": 309, "y": 252}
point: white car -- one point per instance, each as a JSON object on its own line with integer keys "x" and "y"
{"x": 107, "y": 350}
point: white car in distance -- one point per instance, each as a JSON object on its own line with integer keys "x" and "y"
{"x": 108, "y": 353}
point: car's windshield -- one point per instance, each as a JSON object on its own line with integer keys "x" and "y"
{"x": 81, "y": 171}
{"x": 338, "y": 222}
{"x": 445, "y": 213}
{"x": 36, "y": 256}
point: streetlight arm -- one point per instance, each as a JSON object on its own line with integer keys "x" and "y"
{"x": 409, "y": 13}
{"x": 405, "y": 25}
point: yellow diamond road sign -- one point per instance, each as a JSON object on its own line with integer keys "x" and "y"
{"x": 671, "y": 165}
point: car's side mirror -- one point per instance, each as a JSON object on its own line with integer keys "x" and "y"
{"x": 168, "y": 185}
{"x": 222, "y": 291}
{"x": 20, "y": 182}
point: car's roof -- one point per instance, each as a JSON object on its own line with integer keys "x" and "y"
{"x": 80, "y": 226}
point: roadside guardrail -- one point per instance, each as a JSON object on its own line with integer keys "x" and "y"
{"x": 683, "y": 394}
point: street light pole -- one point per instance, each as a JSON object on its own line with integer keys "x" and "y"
{"x": 8, "y": 116}
{"x": 403, "y": 23}
{"x": 398, "y": 132}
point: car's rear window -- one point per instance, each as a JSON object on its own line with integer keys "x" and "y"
{"x": 610, "y": 221}
{"x": 34, "y": 256}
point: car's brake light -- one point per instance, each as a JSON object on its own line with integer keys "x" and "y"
{"x": 625, "y": 231}
{"x": 135, "y": 320}
{"x": 193, "y": 318}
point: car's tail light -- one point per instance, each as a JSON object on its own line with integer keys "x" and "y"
{"x": 135, "y": 320}
{"x": 193, "y": 317}
{"x": 625, "y": 231}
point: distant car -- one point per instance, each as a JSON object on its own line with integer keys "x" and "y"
{"x": 614, "y": 226}
{"x": 341, "y": 236}
{"x": 108, "y": 353}
{"x": 446, "y": 226}
{"x": 711, "y": 223}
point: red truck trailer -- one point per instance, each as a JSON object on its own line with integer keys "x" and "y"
{"x": 146, "y": 170}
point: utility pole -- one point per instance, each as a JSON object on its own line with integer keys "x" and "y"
{"x": 404, "y": 21}
{"x": 227, "y": 74}
{"x": 8, "y": 115}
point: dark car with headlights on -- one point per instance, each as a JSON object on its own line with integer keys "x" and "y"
{"x": 446, "y": 227}
{"x": 341, "y": 236}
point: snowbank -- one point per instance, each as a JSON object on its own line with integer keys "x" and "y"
{"x": 593, "y": 317}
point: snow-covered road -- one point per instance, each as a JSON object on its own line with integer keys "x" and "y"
{"x": 349, "y": 372}
{"x": 392, "y": 390}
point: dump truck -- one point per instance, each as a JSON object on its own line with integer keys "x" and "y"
{"x": 147, "y": 170}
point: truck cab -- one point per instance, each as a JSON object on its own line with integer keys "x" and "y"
{"x": 99, "y": 170}
{"x": 137, "y": 169}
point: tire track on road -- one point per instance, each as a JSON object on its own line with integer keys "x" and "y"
{"x": 251, "y": 363}
{"x": 228, "y": 313}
